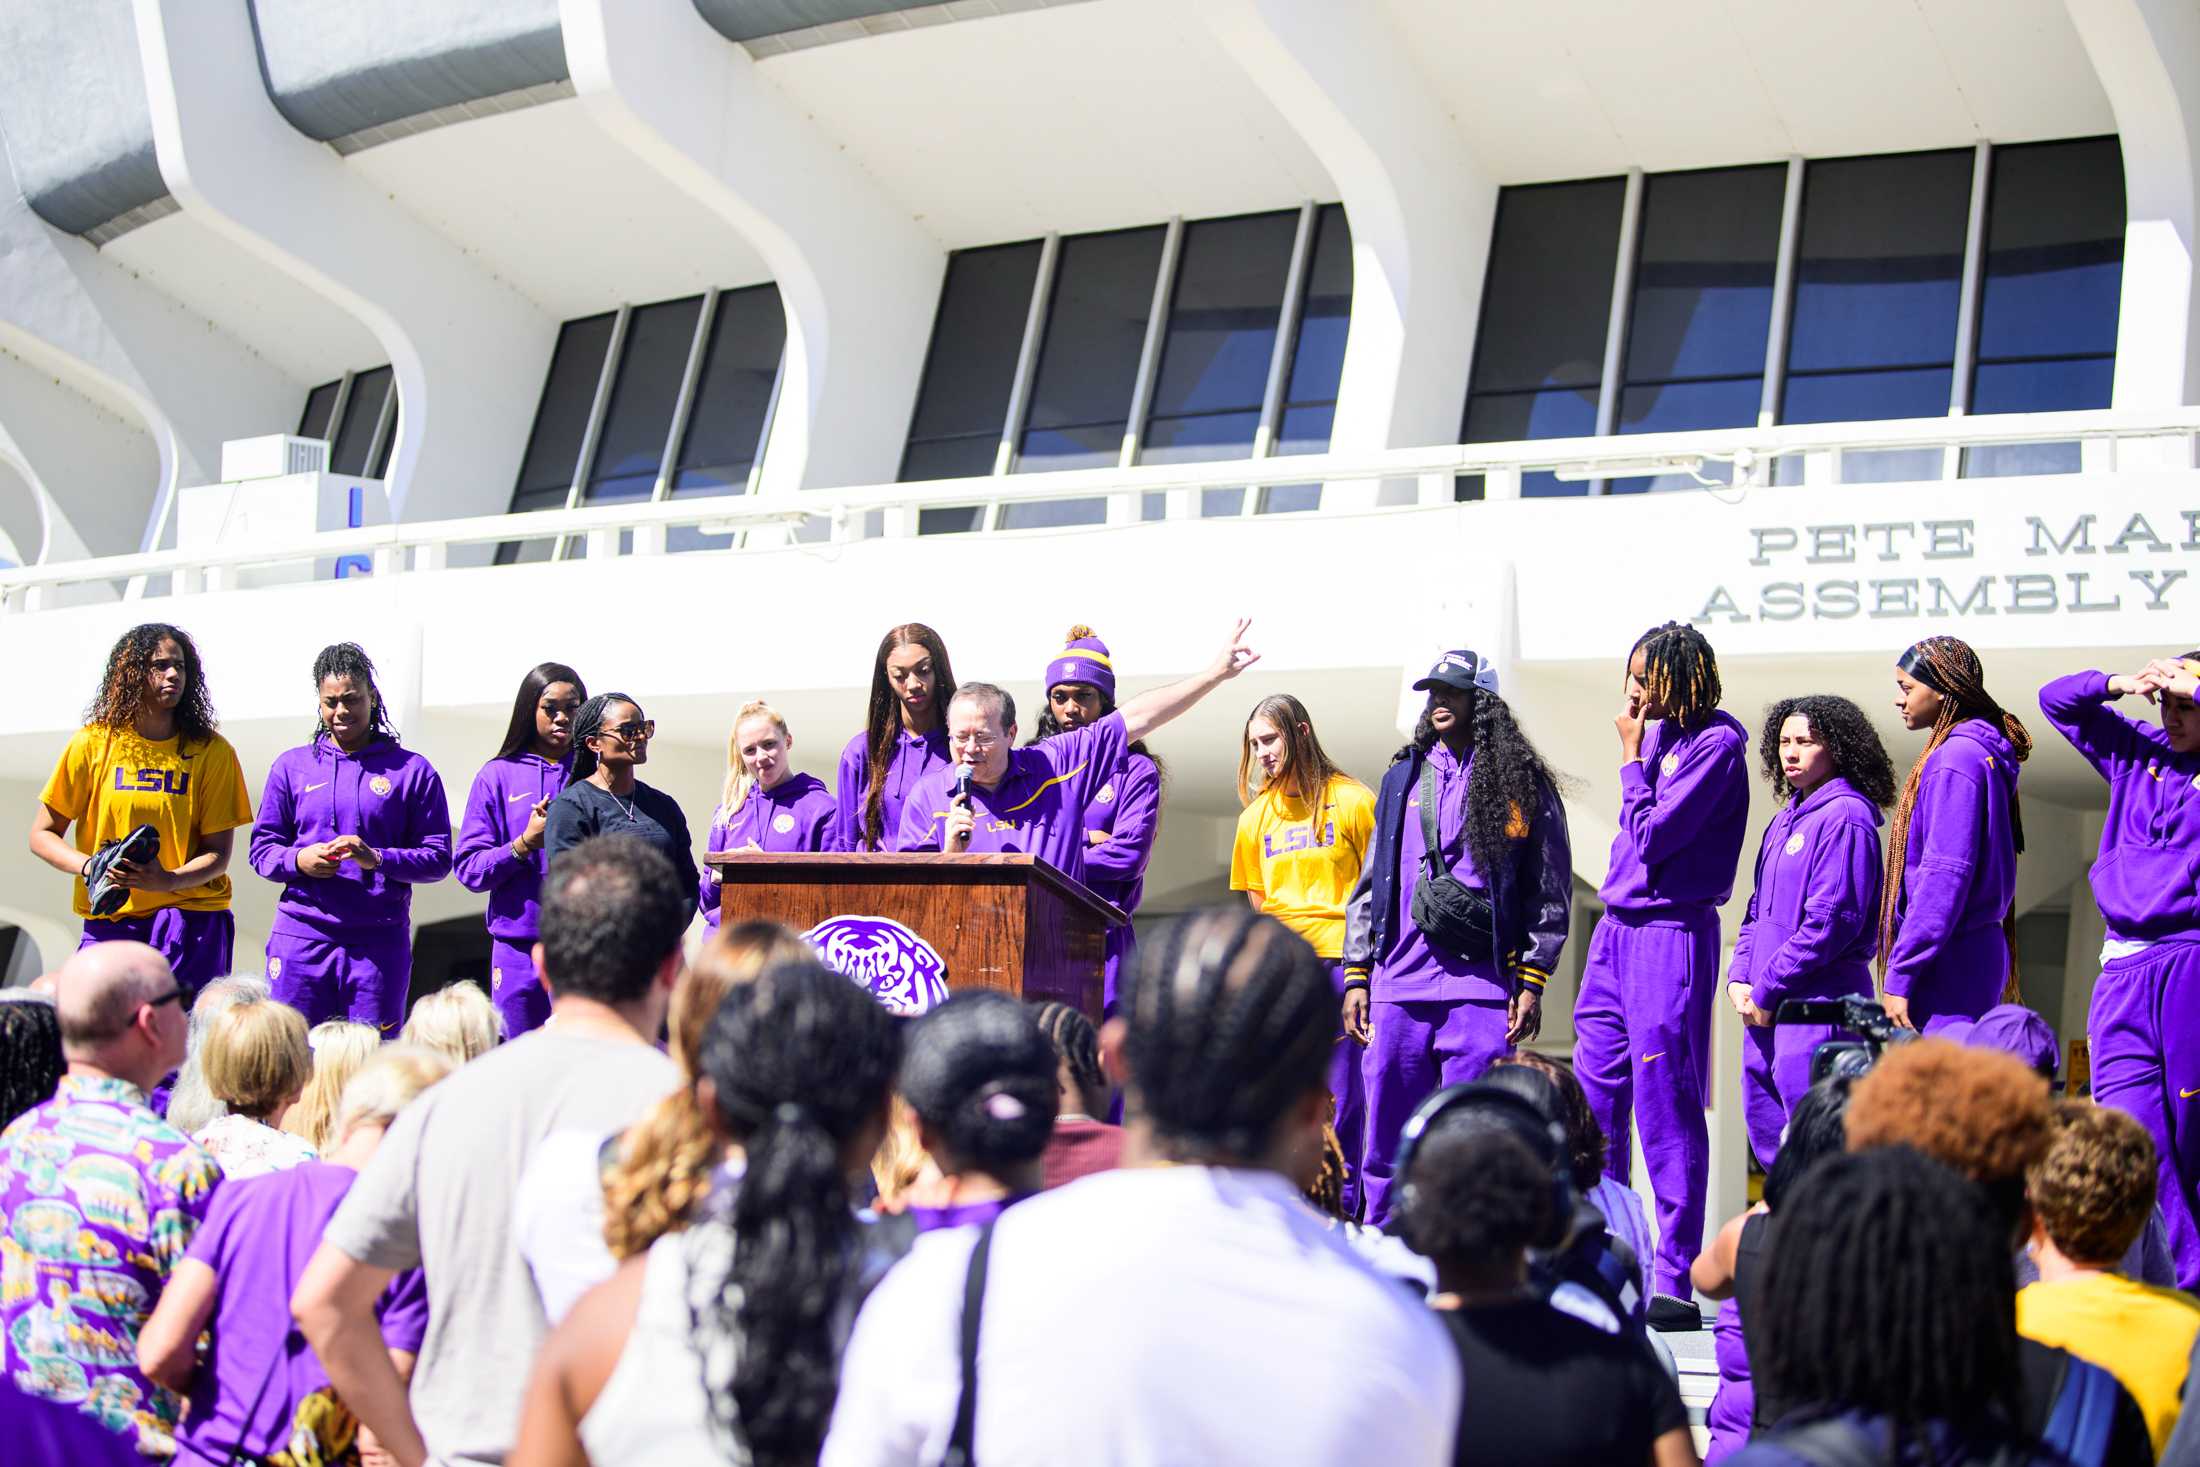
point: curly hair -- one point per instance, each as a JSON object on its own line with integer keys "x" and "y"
{"x": 1978, "y": 1112}
{"x": 1858, "y": 755}
{"x": 1585, "y": 1147}
{"x": 1478, "y": 1193}
{"x": 1505, "y": 791}
{"x": 2094, "y": 1190}
{"x": 129, "y": 665}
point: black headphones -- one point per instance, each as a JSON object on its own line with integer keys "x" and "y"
{"x": 1544, "y": 1138}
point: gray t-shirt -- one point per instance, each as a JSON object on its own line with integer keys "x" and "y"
{"x": 438, "y": 1196}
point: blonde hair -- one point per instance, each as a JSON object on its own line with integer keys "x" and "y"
{"x": 739, "y": 781}
{"x": 256, "y": 1057}
{"x": 388, "y": 1082}
{"x": 340, "y": 1047}
{"x": 458, "y": 1021}
{"x": 901, "y": 1160}
{"x": 665, "y": 1161}
{"x": 190, "y": 1107}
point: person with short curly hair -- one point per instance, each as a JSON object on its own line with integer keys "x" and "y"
{"x": 2091, "y": 1194}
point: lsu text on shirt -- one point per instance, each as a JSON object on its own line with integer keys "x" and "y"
{"x": 1302, "y": 863}
{"x": 109, "y": 781}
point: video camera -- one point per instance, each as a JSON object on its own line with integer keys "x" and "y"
{"x": 1854, "y": 1012}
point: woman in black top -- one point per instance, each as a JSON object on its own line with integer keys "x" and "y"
{"x": 611, "y": 737}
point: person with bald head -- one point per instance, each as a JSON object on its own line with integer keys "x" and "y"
{"x": 99, "y": 1198}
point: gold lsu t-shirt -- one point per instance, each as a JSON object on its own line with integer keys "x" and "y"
{"x": 110, "y": 781}
{"x": 1305, "y": 865}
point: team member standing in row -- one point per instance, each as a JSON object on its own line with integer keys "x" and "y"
{"x": 1302, "y": 840}
{"x": 500, "y": 840}
{"x": 611, "y": 738}
{"x": 1812, "y": 925}
{"x": 1643, "y": 1017}
{"x": 149, "y": 754}
{"x": 1125, "y": 813}
{"x": 2144, "y": 1026}
{"x": 1947, "y": 919}
{"x": 904, "y": 738}
{"x": 766, "y": 805}
{"x": 349, "y": 824}
{"x": 1461, "y": 909}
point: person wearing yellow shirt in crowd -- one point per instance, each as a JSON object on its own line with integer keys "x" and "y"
{"x": 149, "y": 754}
{"x": 2090, "y": 1196}
{"x": 1301, "y": 841}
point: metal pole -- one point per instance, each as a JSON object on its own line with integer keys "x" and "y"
{"x": 1615, "y": 327}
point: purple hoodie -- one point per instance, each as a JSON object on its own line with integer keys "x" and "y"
{"x": 797, "y": 816}
{"x": 1128, "y": 807}
{"x": 388, "y": 796}
{"x": 497, "y": 810}
{"x": 1813, "y": 923}
{"x": 2145, "y": 879}
{"x": 1039, "y": 807}
{"x": 915, "y": 755}
{"x": 1959, "y": 873}
{"x": 1683, "y": 810}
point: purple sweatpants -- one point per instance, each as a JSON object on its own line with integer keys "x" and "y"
{"x": 364, "y": 978}
{"x": 197, "y": 945}
{"x": 516, "y": 988}
{"x": 1775, "y": 1073}
{"x": 1345, "y": 1090}
{"x": 1734, "y": 1402}
{"x": 1642, "y": 1048}
{"x": 2145, "y": 1033}
{"x": 1122, "y": 952}
{"x": 1418, "y": 1048}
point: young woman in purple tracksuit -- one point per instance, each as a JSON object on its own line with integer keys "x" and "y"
{"x": 349, "y": 825}
{"x": 1812, "y": 926}
{"x": 904, "y": 738}
{"x": 1946, "y": 921}
{"x": 2144, "y": 1025}
{"x": 766, "y": 804}
{"x": 1642, "y": 1019}
{"x": 500, "y": 840}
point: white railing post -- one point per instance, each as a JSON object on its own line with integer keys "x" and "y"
{"x": 1435, "y": 487}
{"x": 1501, "y": 483}
{"x": 432, "y": 555}
{"x": 649, "y": 540}
{"x": 603, "y": 544}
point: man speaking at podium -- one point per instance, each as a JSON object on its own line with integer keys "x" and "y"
{"x": 997, "y": 797}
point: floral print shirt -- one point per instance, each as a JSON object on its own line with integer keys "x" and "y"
{"x": 249, "y": 1148}
{"x": 99, "y": 1198}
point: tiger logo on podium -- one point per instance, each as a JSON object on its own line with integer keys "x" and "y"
{"x": 896, "y": 966}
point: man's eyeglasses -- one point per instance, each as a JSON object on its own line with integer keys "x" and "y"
{"x": 632, "y": 733}
{"x": 972, "y": 741}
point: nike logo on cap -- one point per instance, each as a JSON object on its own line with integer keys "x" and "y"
{"x": 1649, "y": 1057}
{"x": 309, "y": 789}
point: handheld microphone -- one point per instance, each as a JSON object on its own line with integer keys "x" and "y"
{"x": 963, "y": 772}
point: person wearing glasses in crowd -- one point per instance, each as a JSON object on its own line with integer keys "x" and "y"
{"x": 148, "y": 754}
{"x": 767, "y": 804}
{"x": 501, "y": 839}
{"x": 610, "y": 738}
{"x": 904, "y": 738}
{"x": 349, "y": 824}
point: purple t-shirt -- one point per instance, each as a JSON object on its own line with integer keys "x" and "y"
{"x": 796, "y": 816}
{"x": 914, "y": 756}
{"x": 1039, "y": 806}
{"x": 1414, "y": 969}
{"x": 257, "y": 1238}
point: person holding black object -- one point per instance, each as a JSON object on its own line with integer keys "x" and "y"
{"x": 610, "y": 738}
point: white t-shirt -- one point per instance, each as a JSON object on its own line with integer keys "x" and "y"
{"x": 1150, "y": 1316}
{"x": 557, "y": 1219}
{"x": 249, "y": 1148}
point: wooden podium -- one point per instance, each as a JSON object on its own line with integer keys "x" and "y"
{"x": 1010, "y": 922}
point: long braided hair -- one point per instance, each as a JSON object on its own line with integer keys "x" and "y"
{"x": 1505, "y": 791}
{"x": 1950, "y": 668}
{"x": 882, "y": 721}
{"x": 1680, "y": 671}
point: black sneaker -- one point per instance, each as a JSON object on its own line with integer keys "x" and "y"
{"x": 141, "y": 844}
{"x": 1669, "y": 1315}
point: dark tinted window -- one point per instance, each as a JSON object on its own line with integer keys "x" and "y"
{"x": 2054, "y": 275}
{"x": 725, "y": 427}
{"x": 561, "y": 418}
{"x": 652, "y": 362}
{"x": 355, "y": 435}
{"x": 1317, "y": 358}
{"x": 1088, "y": 365}
{"x": 1221, "y": 341}
{"x": 962, "y": 408}
{"x": 1702, "y": 300}
{"x": 320, "y": 403}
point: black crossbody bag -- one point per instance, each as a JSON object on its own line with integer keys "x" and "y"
{"x": 1456, "y": 917}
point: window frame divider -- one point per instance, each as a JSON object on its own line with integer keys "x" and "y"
{"x": 1783, "y": 295}
{"x": 1027, "y": 355}
{"x": 1285, "y": 354}
{"x": 599, "y": 408}
{"x": 1615, "y": 324}
{"x": 683, "y": 404}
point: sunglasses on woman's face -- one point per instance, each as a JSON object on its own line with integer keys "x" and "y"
{"x": 632, "y": 733}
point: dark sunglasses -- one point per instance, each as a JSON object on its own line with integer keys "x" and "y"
{"x": 631, "y": 733}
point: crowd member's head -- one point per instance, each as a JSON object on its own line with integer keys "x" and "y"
{"x": 1280, "y": 742}
{"x": 666, "y": 1160}
{"x": 2093, "y": 1191}
{"x": 121, "y": 1012}
{"x": 1673, "y": 674}
{"x": 759, "y": 753}
{"x": 1817, "y": 1128}
{"x": 340, "y": 1049}
{"x": 1584, "y": 1137}
{"x": 1080, "y": 1079}
{"x": 1477, "y": 1198}
{"x": 1807, "y": 741}
{"x": 542, "y": 713}
{"x": 901, "y": 1162}
{"x": 797, "y": 1067}
{"x": 908, "y": 678}
{"x": 1890, "y": 1294}
{"x": 983, "y": 1081}
{"x": 613, "y": 914}
{"x": 2014, "y": 1030}
{"x": 981, "y": 730}
{"x": 349, "y": 700}
{"x": 191, "y": 1106}
{"x": 458, "y": 1020}
{"x": 1227, "y": 1032}
{"x": 1981, "y": 1114}
{"x": 1080, "y": 686}
{"x": 30, "y": 1054}
{"x": 610, "y": 733}
{"x": 154, "y": 668}
{"x": 385, "y": 1084}
{"x": 1509, "y": 778}
{"x": 256, "y": 1058}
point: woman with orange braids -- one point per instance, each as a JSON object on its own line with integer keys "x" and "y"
{"x": 1946, "y": 920}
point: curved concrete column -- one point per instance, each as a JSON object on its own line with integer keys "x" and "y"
{"x": 2147, "y": 55}
{"x": 231, "y": 160}
{"x": 1421, "y": 207}
{"x": 860, "y": 280}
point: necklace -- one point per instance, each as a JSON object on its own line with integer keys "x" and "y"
{"x": 626, "y": 807}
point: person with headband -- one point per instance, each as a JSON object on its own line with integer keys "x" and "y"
{"x": 349, "y": 824}
{"x": 1643, "y": 1015}
{"x": 767, "y": 804}
{"x": 610, "y": 739}
{"x": 1434, "y": 991}
{"x": 1125, "y": 814}
{"x": 904, "y": 737}
{"x": 2144, "y": 1022}
{"x": 1947, "y": 920}
{"x": 1810, "y": 931}
{"x": 501, "y": 838}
